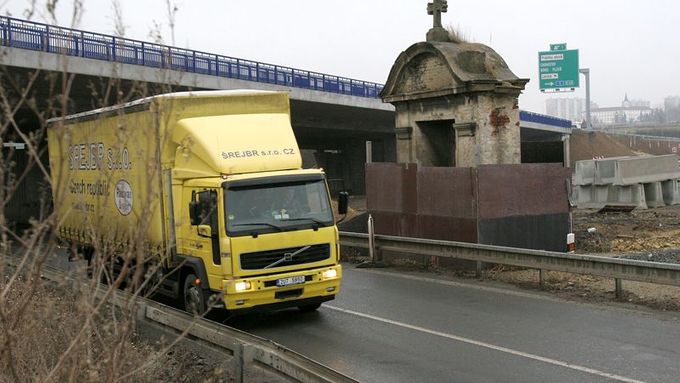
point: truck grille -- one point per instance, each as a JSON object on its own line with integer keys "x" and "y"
{"x": 262, "y": 259}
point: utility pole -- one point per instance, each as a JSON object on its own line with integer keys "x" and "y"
{"x": 586, "y": 72}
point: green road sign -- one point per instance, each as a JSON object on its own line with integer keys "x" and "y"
{"x": 558, "y": 47}
{"x": 558, "y": 69}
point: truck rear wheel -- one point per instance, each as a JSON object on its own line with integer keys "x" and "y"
{"x": 194, "y": 298}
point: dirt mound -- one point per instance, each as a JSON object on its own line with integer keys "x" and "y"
{"x": 588, "y": 145}
{"x": 639, "y": 230}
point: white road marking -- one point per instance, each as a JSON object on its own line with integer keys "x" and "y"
{"x": 488, "y": 346}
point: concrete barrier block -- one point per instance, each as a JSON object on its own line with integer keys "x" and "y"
{"x": 584, "y": 172}
{"x": 627, "y": 195}
{"x": 654, "y": 194}
{"x": 671, "y": 192}
{"x": 647, "y": 169}
{"x": 599, "y": 196}
{"x": 585, "y": 197}
{"x": 605, "y": 170}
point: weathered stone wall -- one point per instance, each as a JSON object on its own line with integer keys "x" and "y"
{"x": 498, "y": 137}
{"x": 458, "y": 95}
{"x": 492, "y": 138}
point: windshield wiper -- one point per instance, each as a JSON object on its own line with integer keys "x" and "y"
{"x": 258, "y": 224}
{"x": 305, "y": 219}
{"x": 288, "y": 256}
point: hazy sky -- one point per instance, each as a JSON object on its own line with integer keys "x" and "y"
{"x": 629, "y": 46}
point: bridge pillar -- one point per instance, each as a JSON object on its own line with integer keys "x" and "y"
{"x": 456, "y": 105}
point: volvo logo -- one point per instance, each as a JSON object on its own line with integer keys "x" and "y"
{"x": 287, "y": 257}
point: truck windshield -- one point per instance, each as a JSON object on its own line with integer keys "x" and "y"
{"x": 274, "y": 207}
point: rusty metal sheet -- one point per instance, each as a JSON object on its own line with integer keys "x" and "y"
{"x": 446, "y": 192}
{"x": 384, "y": 187}
{"x": 447, "y": 228}
{"x": 522, "y": 190}
{"x": 410, "y": 188}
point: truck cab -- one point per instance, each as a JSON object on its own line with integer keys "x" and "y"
{"x": 267, "y": 241}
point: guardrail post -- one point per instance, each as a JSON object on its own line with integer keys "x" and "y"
{"x": 238, "y": 362}
{"x": 374, "y": 253}
{"x": 242, "y": 354}
{"x": 618, "y": 288}
{"x": 478, "y": 271}
{"x": 541, "y": 278}
{"x": 371, "y": 238}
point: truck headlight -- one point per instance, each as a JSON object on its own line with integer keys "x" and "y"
{"x": 328, "y": 274}
{"x": 241, "y": 286}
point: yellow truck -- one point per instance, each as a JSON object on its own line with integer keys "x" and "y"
{"x": 210, "y": 185}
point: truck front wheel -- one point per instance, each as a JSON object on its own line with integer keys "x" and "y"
{"x": 194, "y": 298}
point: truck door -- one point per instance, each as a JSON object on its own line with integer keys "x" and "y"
{"x": 202, "y": 240}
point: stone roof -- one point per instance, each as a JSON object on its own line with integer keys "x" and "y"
{"x": 431, "y": 69}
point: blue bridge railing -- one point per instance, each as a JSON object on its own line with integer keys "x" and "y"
{"x": 544, "y": 119}
{"x": 72, "y": 42}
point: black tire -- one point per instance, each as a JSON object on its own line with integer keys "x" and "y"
{"x": 193, "y": 296}
{"x": 309, "y": 308}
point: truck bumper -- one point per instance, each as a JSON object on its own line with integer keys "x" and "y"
{"x": 264, "y": 291}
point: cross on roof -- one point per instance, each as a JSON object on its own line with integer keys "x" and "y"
{"x": 436, "y": 8}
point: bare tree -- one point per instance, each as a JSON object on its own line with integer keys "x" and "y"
{"x": 67, "y": 331}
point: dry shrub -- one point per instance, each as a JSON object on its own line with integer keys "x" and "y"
{"x": 49, "y": 331}
{"x": 59, "y": 327}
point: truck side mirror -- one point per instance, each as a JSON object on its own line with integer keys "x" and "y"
{"x": 195, "y": 213}
{"x": 343, "y": 202}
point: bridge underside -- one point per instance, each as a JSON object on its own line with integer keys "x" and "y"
{"x": 541, "y": 146}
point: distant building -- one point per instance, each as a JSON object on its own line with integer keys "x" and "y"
{"x": 629, "y": 112}
{"x": 568, "y": 108}
{"x": 671, "y": 108}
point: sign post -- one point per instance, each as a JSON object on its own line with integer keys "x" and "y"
{"x": 558, "y": 69}
{"x": 586, "y": 72}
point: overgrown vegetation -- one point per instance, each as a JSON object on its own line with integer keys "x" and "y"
{"x": 457, "y": 35}
{"x": 64, "y": 331}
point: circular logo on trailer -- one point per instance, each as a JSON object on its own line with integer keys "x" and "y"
{"x": 123, "y": 197}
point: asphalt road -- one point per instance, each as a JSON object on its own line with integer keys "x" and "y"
{"x": 387, "y": 327}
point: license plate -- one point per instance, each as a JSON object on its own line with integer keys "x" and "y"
{"x": 290, "y": 281}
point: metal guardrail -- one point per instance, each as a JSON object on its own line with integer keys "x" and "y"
{"x": 619, "y": 269}
{"x": 30, "y": 35}
{"x": 245, "y": 348}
